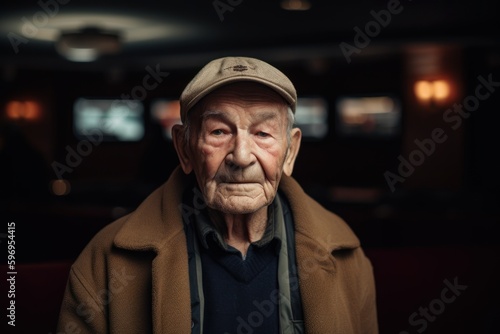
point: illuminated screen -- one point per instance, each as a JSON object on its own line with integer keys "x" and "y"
{"x": 311, "y": 116}
{"x": 368, "y": 116}
{"x": 114, "y": 119}
{"x": 167, "y": 113}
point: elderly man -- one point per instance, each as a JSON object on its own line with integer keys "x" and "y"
{"x": 230, "y": 243}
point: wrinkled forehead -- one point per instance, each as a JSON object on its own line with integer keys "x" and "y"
{"x": 244, "y": 94}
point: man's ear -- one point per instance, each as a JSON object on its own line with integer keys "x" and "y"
{"x": 293, "y": 151}
{"x": 181, "y": 146}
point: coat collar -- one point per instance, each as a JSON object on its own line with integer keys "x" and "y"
{"x": 315, "y": 222}
{"x": 156, "y": 220}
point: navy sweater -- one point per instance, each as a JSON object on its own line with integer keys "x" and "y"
{"x": 241, "y": 294}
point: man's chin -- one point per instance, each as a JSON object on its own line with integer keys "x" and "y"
{"x": 239, "y": 207}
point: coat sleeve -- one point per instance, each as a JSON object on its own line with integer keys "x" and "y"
{"x": 369, "y": 317}
{"x": 83, "y": 309}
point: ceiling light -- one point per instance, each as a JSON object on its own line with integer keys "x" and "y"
{"x": 88, "y": 44}
{"x": 295, "y": 4}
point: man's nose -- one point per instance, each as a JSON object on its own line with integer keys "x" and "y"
{"x": 242, "y": 154}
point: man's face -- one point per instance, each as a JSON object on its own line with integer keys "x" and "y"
{"x": 238, "y": 147}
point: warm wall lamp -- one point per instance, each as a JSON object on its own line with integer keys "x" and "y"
{"x": 23, "y": 110}
{"x": 436, "y": 91}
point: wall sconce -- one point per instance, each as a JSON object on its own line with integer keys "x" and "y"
{"x": 436, "y": 91}
{"x": 23, "y": 110}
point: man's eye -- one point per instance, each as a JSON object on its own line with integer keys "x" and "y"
{"x": 217, "y": 132}
{"x": 262, "y": 134}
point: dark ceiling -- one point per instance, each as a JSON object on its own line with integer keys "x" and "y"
{"x": 187, "y": 33}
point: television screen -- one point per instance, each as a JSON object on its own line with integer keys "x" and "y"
{"x": 167, "y": 112}
{"x": 114, "y": 119}
{"x": 368, "y": 116}
{"x": 311, "y": 116}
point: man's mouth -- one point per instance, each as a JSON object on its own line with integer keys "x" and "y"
{"x": 236, "y": 180}
{"x": 239, "y": 182}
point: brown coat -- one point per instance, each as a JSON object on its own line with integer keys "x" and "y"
{"x": 133, "y": 276}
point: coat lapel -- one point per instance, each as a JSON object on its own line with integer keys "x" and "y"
{"x": 318, "y": 233}
{"x": 171, "y": 300}
{"x": 156, "y": 225}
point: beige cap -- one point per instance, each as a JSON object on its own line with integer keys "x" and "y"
{"x": 225, "y": 70}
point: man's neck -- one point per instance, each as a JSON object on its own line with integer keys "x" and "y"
{"x": 241, "y": 230}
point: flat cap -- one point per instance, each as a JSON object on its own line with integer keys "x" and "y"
{"x": 222, "y": 71}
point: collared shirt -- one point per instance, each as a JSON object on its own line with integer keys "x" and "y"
{"x": 235, "y": 286}
{"x": 201, "y": 232}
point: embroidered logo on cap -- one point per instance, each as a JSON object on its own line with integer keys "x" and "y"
{"x": 240, "y": 68}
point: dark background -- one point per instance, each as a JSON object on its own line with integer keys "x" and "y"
{"x": 439, "y": 224}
